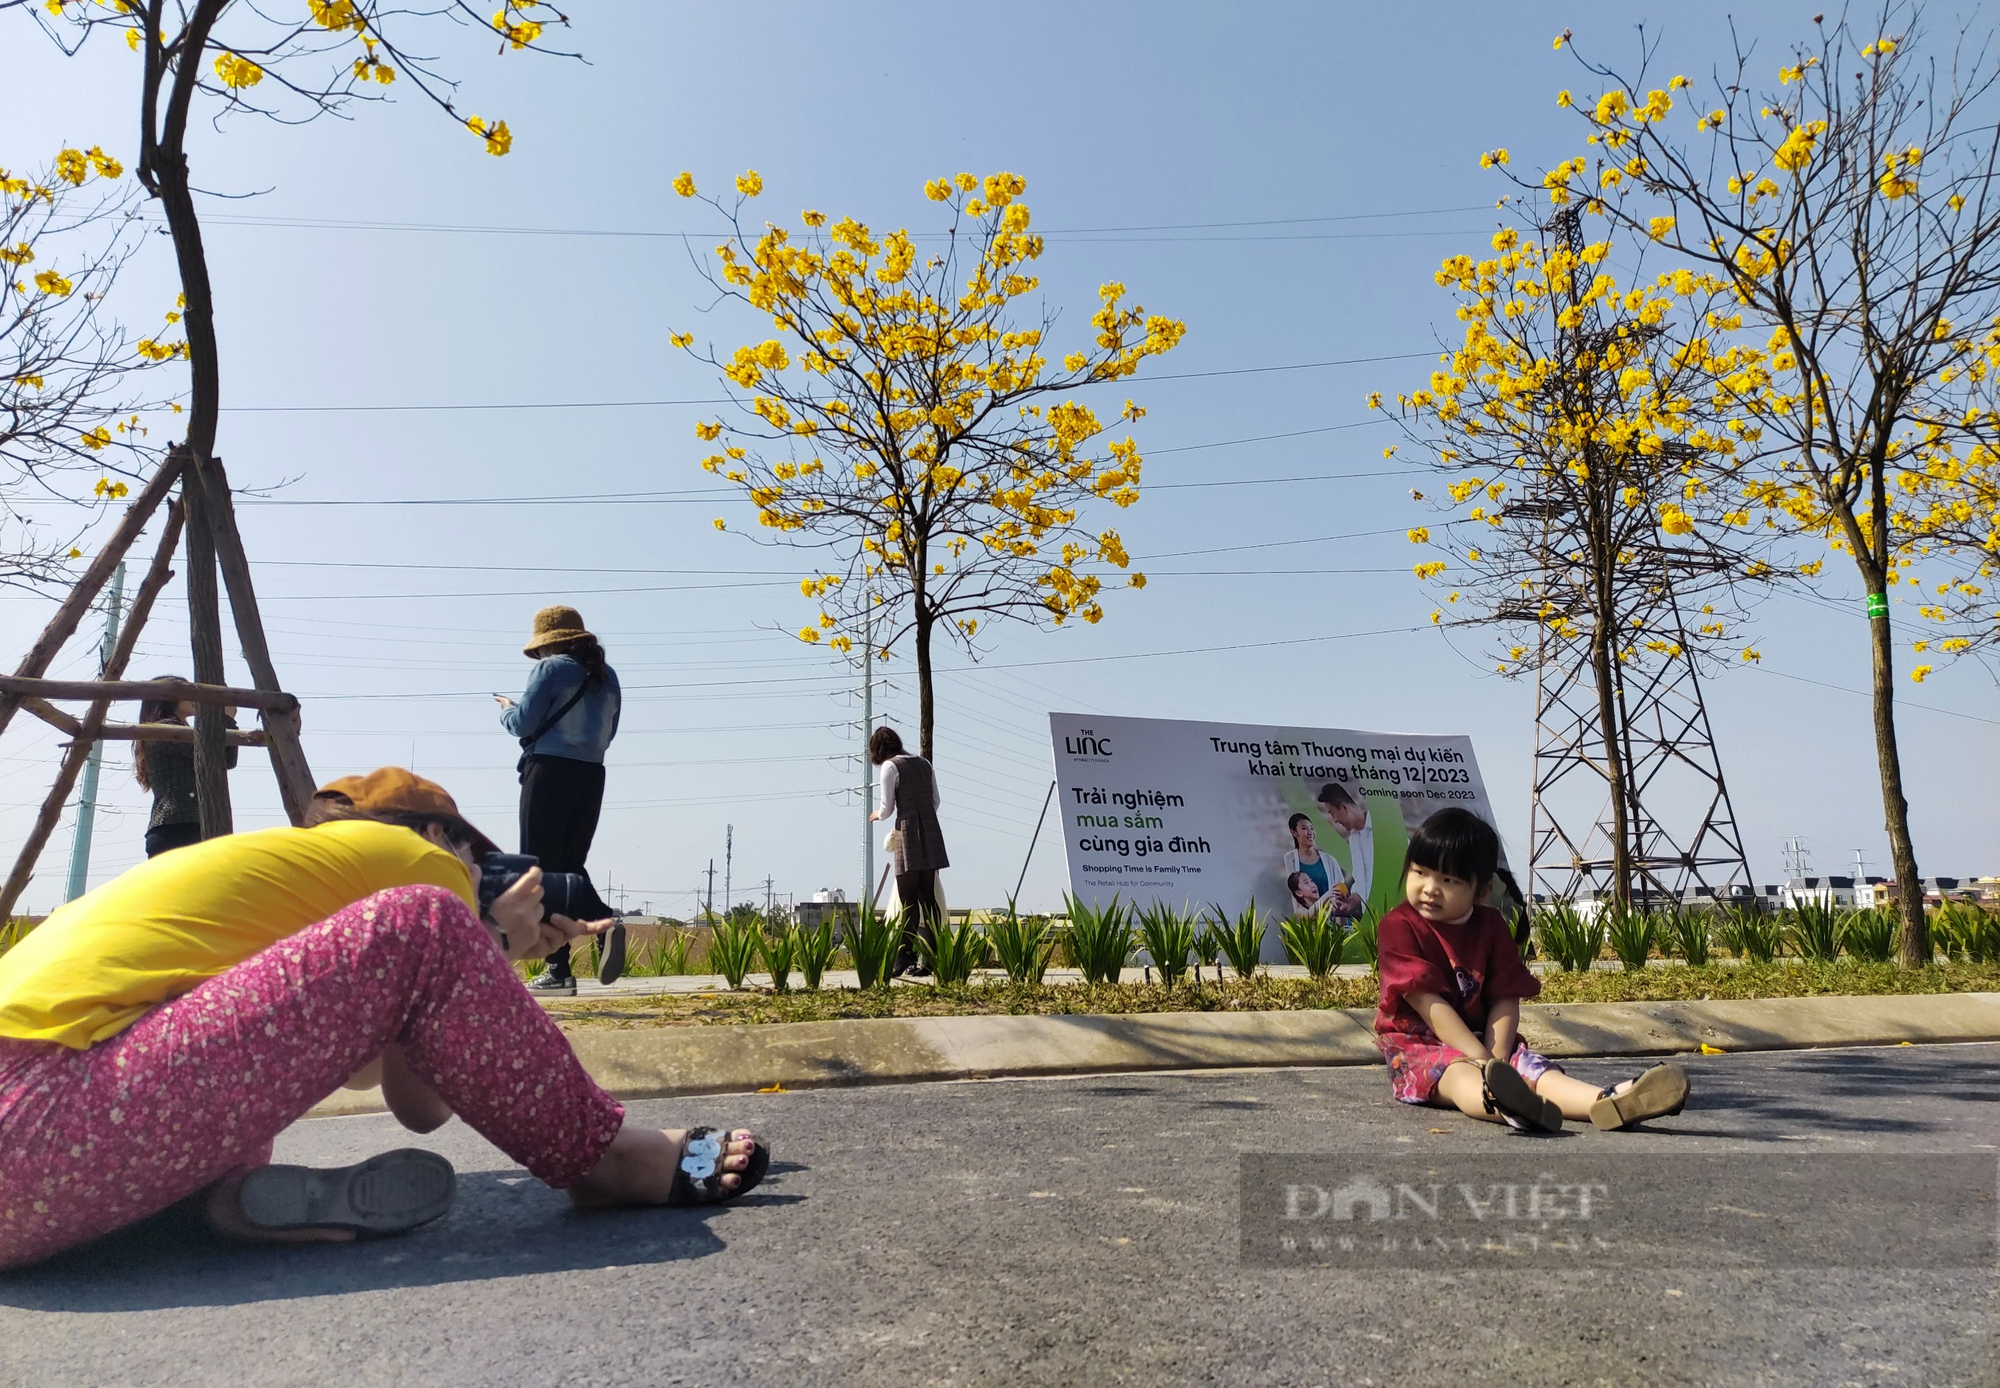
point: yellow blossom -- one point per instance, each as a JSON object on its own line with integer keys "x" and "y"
{"x": 750, "y": 183}
{"x": 498, "y": 138}
{"x": 684, "y": 183}
{"x": 237, "y": 72}
{"x": 1920, "y": 673}
{"x": 518, "y": 31}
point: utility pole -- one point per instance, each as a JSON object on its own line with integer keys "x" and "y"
{"x": 867, "y": 731}
{"x": 710, "y": 912}
{"x": 728, "y": 865}
{"x": 1798, "y": 858}
{"x": 767, "y": 897}
{"x": 86, "y": 802}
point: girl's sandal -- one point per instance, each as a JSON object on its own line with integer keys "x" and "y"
{"x": 1515, "y": 1100}
{"x": 389, "y": 1194}
{"x": 698, "y": 1177}
{"x": 1660, "y": 1092}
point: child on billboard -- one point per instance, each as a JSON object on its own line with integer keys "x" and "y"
{"x": 1452, "y": 983}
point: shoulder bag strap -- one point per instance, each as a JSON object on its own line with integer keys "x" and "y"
{"x": 529, "y": 740}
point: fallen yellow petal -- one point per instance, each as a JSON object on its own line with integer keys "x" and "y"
{"x": 774, "y": 1089}
{"x": 1707, "y": 1049}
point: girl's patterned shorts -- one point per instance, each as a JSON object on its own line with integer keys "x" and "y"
{"x": 1416, "y": 1065}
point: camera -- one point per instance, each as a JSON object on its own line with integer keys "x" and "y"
{"x": 563, "y": 893}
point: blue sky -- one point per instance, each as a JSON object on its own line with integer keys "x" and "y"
{"x": 1282, "y": 177}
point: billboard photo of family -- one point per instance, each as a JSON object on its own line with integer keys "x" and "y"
{"x": 1219, "y": 814}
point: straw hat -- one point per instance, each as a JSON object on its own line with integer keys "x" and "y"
{"x": 553, "y": 626}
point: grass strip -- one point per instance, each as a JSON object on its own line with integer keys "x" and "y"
{"x": 997, "y": 997}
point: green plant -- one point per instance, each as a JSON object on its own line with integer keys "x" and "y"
{"x": 1207, "y": 949}
{"x": 1317, "y": 941}
{"x": 814, "y": 949}
{"x": 1963, "y": 930}
{"x": 1632, "y": 931}
{"x": 675, "y": 955}
{"x": 953, "y": 952}
{"x": 1813, "y": 930}
{"x": 1980, "y": 929}
{"x": 732, "y": 952}
{"x": 1168, "y": 936}
{"x": 1687, "y": 934}
{"x": 1870, "y": 935}
{"x": 780, "y": 949}
{"x": 1100, "y": 939}
{"x": 1567, "y": 937}
{"x": 1367, "y": 935}
{"x": 1241, "y": 940}
{"x": 1748, "y": 933}
{"x": 1022, "y": 944}
{"x": 873, "y": 943}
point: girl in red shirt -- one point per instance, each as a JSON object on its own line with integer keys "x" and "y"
{"x": 1449, "y": 1021}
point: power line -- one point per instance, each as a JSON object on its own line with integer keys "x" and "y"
{"x": 283, "y": 222}
{"x": 717, "y": 493}
{"x": 726, "y": 400}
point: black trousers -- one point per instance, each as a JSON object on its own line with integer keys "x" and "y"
{"x": 917, "y": 891}
{"x": 162, "y": 837}
{"x": 560, "y": 800}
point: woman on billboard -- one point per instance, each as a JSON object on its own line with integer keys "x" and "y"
{"x": 1329, "y": 882}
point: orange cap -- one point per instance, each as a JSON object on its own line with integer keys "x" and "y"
{"x": 390, "y": 790}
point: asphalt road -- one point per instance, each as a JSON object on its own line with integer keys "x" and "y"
{"x": 1086, "y": 1231}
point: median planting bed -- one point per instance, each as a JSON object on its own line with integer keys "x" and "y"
{"x": 997, "y": 996}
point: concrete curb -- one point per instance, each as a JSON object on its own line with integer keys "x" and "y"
{"x": 662, "y": 1061}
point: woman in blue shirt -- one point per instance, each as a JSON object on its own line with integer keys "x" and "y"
{"x": 565, "y": 721}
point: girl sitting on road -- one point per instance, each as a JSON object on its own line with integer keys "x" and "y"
{"x": 156, "y": 1034}
{"x": 1452, "y": 982}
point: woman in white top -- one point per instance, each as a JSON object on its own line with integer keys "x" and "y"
{"x": 910, "y": 793}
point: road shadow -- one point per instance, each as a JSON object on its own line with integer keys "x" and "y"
{"x": 502, "y": 1224}
{"x": 1820, "y": 1089}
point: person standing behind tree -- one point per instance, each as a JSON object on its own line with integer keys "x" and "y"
{"x": 565, "y": 720}
{"x": 910, "y": 793}
{"x": 167, "y": 770}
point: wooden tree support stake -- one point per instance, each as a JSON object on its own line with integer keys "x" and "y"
{"x": 88, "y": 729}
{"x": 288, "y": 757}
{"x": 166, "y": 691}
{"x": 63, "y": 625}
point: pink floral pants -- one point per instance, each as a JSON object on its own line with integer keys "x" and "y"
{"x": 196, "y": 1089}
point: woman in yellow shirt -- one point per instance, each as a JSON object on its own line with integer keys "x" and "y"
{"x": 156, "y": 1035}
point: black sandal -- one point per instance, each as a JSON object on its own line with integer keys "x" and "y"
{"x": 387, "y": 1194}
{"x": 1515, "y": 1100}
{"x": 698, "y": 1177}
{"x": 1660, "y": 1092}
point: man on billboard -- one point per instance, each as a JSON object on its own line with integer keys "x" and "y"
{"x": 1354, "y": 821}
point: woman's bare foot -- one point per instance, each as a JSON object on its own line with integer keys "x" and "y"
{"x": 638, "y": 1168}
{"x": 224, "y": 1208}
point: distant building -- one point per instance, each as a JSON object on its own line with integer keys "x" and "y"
{"x": 1820, "y": 891}
{"x": 828, "y": 904}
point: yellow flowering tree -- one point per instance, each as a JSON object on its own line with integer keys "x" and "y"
{"x": 906, "y": 421}
{"x": 291, "y": 61}
{"x": 1849, "y": 199}
{"x": 68, "y": 376}
{"x": 1582, "y": 444}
